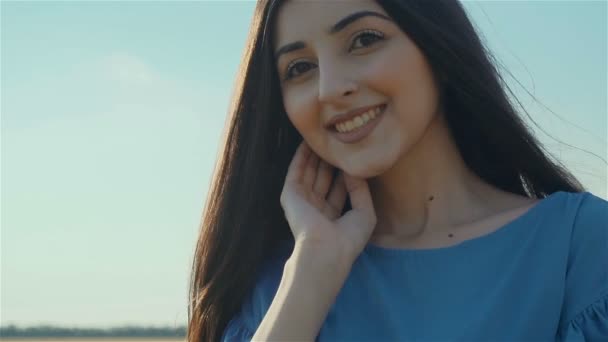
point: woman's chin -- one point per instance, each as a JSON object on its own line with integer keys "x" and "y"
{"x": 369, "y": 162}
{"x": 365, "y": 170}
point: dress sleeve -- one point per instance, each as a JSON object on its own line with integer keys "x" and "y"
{"x": 237, "y": 330}
{"x": 585, "y": 311}
{"x": 589, "y": 325}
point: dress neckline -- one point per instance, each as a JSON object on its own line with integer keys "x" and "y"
{"x": 374, "y": 249}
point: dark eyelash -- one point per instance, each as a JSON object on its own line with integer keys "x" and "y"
{"x": 377, "y": 34}
{"x": 290, "y": 66}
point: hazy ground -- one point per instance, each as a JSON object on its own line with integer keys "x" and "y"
{"x": 90, "y": 340}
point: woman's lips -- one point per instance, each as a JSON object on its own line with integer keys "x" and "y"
{"x": 359, "y": 133}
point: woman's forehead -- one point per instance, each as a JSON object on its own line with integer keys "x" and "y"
{"x": 305, "y": 19}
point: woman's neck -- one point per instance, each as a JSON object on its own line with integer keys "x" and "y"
{"x": 430, "y": 189}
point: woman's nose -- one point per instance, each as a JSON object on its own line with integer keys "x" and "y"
{"x": 335, "y": 86}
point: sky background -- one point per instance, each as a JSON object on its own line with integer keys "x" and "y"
{"x": 111, "y": 116}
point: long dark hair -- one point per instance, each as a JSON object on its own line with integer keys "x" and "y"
{"x": 243, "y": 220}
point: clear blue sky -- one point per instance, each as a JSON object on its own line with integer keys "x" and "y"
{"x": 111, "y": 117}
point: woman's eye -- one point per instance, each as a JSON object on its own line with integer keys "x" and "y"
{"x": 299, "y": 68}
{"x": 365, "y": 39}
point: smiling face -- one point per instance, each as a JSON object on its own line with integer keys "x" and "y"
{"x": 357, "y": 89}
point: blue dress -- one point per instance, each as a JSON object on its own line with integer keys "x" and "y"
{"x": 540, "y": 277}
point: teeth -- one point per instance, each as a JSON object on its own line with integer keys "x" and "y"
{"x": 357, "y": 121}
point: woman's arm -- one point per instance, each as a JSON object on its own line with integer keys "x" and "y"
{"x": 310, "y": 283}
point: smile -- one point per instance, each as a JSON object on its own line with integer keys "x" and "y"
{"x": 359, "y": 127}
{"x": 358, "y": 121}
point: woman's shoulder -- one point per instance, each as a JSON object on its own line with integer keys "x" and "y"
{"x": 589, "y": 233}
{"x": 587, "y": 215}
{"x": 582, "y": 218}
{"x": 253, "y": 309}
{"x": 269, "y": 276}
{"x": 592, "y": 211}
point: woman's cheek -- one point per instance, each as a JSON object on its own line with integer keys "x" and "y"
{"x": 299, "y": 110}
{"x": 381, "y": 73}
{"x": 304, "y": 114}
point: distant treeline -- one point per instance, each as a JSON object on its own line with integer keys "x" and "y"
{"x": 125, "y": 332}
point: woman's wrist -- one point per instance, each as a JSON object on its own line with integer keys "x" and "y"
{"x": 324, "y": 261}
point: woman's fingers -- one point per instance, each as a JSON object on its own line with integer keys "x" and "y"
{"x": 315, "y": 175}
{"x": 295, "y": 172}
{"x": 323, "y": 180}
{"x": 310, "y": 170}
{"x": 360, "y": 196}
{"x": 337, "y": 194}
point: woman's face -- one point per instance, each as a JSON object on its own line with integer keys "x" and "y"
{"x": 339, "y": 58}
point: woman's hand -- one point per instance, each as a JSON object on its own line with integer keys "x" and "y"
{"x": 313, "y": 206}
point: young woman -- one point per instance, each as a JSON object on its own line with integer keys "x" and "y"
{"x": 377, "y": 184}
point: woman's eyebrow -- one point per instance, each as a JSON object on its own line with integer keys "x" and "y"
{"x": 337, "y": 27}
